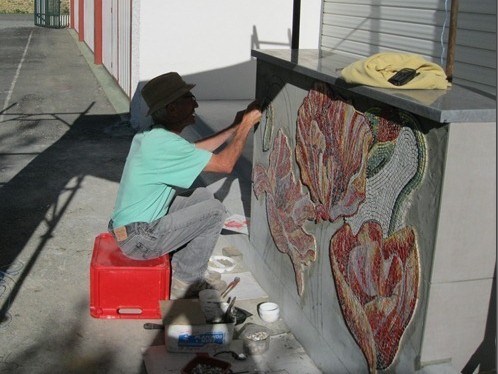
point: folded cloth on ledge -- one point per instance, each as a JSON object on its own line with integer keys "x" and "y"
{"x": 377, "y": 69}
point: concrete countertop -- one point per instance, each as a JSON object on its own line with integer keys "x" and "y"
{"x": 456, "y": 104}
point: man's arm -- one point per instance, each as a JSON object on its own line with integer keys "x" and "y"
{"x": 213, "y": 142}
{"x": 224, "y": 161}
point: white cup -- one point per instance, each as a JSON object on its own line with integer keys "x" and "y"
{"x": 269, "y": 312}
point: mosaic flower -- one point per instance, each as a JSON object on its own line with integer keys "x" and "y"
{"x": 288, "y": 207}
{"x": 332, "y": 144}
{"x": 377, "y": 282}
{"x": 395, "y": 167}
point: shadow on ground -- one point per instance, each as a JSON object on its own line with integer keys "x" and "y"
{"x": 95, "y": 145}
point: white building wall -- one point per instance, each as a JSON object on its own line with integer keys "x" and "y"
{"x": 209, "y": 43}
{"x": 109, "y": 36}
{"x": 76, "y": 15}
{"x": 124, "y": 45}
{"x": 88, "y": 20}
{"x": 135, "y": 50}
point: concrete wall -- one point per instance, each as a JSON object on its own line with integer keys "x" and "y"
{"x": 464, "y": 266}
{"x": 452, "y": 212}
{"x": 209, "y": 43}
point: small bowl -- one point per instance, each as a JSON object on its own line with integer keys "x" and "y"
{"x": 269, "y": 312}
{"x": 221, "y": 264}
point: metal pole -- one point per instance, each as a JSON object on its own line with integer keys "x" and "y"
{"x": 450, "y": 56}
{"x": 296, "y": 18}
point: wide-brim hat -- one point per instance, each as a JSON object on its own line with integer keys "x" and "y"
{"x": 164, "y": 89}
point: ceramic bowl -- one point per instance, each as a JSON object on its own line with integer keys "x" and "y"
{"x": 269, "y": 312}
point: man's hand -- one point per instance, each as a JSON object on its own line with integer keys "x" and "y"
{"x": 252, "y": 115}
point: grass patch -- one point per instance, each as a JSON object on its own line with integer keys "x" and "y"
{"x": 27, "y": 6}
{"x": 17, "y": 6}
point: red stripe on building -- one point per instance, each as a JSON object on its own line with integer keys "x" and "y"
{"x": 81, "y": 20}
{"x": 97, "y": 32}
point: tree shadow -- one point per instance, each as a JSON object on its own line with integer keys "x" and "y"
{"x": 33, "y": 196}
{"x": 64, "y": 344}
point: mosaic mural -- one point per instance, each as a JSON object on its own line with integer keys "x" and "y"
{"x": 288, "y": 207}
{"x": 360, "y": 168}
{"x": 332, "y": 144}
{"x": 396, "y": 163}
{"x": 267, "y": 123}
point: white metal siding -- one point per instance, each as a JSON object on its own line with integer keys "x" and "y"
{"x": 116, "y": 41}
{"x": 366, "y": 27}
{"x": 124, "y": 45}
{"x": 109, "y": 23}
{"x": 88, "y": 20}
{"x": 76, "y": 16}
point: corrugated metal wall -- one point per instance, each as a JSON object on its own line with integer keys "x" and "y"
{"x": 366, "y": 27}
{"x": 116, "y": 41}
{"x": 475, "y": 56}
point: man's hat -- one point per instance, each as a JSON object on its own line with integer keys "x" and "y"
{"x": 164, "y": 89}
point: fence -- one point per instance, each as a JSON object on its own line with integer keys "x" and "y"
{"x": 49, "y": 13}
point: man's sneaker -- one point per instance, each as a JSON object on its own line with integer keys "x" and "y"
{"x": 186, "y": 290}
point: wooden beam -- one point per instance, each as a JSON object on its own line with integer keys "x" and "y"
{"x": 450, "y": 56}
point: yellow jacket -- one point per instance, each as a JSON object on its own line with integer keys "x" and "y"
{"x": 377, "y": 69}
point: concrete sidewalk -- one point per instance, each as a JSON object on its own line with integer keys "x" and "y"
{"x": 64, "y": 142}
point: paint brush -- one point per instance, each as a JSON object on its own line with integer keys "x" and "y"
{"x": 230, "y": 286}
{"x": 228, "y": 313}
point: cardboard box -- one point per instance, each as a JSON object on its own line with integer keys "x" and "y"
{"x": 186, "y": 330}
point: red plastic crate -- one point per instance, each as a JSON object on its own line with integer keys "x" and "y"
{"x": 124, "y": 288}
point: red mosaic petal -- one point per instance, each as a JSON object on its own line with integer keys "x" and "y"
{"x": 287, "y": 206}
{"x": 377, "y": 284}
{"x": 332, "y": 144}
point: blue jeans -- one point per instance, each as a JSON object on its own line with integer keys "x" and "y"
{"x": 191, "y": 226}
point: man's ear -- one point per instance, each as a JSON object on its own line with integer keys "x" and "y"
{"x": 171, "y": 109}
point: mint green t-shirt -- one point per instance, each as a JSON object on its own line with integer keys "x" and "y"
{"x": 157, "y": 161}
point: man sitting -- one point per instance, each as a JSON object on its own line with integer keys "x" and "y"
{"x": 149, "y": 218}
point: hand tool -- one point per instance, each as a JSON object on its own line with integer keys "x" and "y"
{"x": 228, "y": 312}
{"x": 230, "y": 286}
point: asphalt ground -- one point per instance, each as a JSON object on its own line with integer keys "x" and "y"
{"x": 60, "y": 162}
